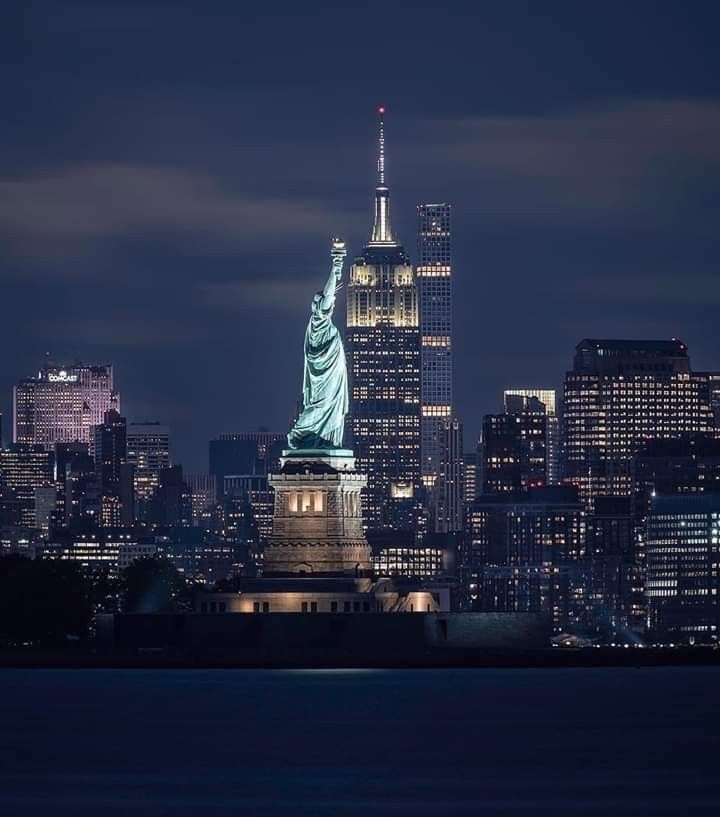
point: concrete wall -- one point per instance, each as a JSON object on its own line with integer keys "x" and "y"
{"x": 270, "y": 636}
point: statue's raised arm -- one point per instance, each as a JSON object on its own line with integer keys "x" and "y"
{"x": 325, "y": 391}
{"x": 338, "y": 253}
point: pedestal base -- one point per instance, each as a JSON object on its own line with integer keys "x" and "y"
{"x": 317, "y": 520}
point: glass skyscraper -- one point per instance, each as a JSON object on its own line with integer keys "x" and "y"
{"x": 383, "y": 349}
{"x": 434, "y": 281}
{"x": 619, "y": 395}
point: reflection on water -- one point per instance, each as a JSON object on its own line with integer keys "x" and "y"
{"x": 351, "y": 742}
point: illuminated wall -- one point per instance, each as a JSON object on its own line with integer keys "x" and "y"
{"x": 682, "y": 576}
{"x": 383, "y": 349}
{"x": 619, "y": 396}
{"x": 62, "y": 404}
{"x": 148, "y": 449}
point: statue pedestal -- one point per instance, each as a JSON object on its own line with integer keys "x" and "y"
{"x": 317, "y": 521}
{"x": 340, "y": 459}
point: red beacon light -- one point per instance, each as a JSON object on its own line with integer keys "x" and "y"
{"x": 381, "y": 109}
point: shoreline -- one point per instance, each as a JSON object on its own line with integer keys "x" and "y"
{"x": 91, "y": 657}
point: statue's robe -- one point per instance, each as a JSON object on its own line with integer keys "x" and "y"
{"x": 325, "y": 384}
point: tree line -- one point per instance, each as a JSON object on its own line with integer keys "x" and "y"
{"x": 52, "y": 601}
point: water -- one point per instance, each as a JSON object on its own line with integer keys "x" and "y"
{"x": 424, "y": 742}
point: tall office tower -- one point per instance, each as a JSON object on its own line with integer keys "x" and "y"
{"x": 82, "y": 492}
{"x": 62, "y": 404}
{"x": 46, "y": 508}
{"x": 148, "y": 450}
{"x": 23, "y": 469}
{"x": 681, "y": 466}
{"x": 685, "y": 465}
{"x": 113, "y": 470}
{"x": 383, "y": 350}
{"x": 255, "y": 490}
{"x": 614, "y": 588}
{"x": 203, "y": 495}
{"x": 619, "y": 395}
{"x": 449, "y": 489}
{"x": 171, "y": 504}
{"x": 245, "y": 453}
{"x": 682, "y": 576}
{"x": 552, "y": 442}
{"x": 65, "y": 454}
{"x": 524, "y": 552}
{"x": 514, "y": 446}
{"x": 434, "y": 282}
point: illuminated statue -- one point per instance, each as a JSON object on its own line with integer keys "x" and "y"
{"x": 325, "y": 388}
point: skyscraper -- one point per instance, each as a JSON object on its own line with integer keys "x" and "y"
{"x": 62, "y": 404}
{"x": 23, "y": 469}
{"x": 148, "y": 450}
{"x": 449, "y": 487}
{"x": 114, "y": 473}
{"x": 514, "y": 446}
{"x": 203, "y": 494}
{"x": 383, "y": 349}
{"x": 434, "y": 282}
{"x": 619, "y": 395}
{"x": 682, "y": 577}
{"x": 552, "y": 437}
{"x": 82, "y": 500}
{"x": 171, "y": 503}
{"x": 244, "y": 453}
{"x": 613, "y": 578}
{"x": 524, "y": 551}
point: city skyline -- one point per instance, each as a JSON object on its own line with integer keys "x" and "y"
{"x": 359, "y": 377}
{"x": 164, "y": 241}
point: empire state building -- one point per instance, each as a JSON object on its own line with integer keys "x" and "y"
{"x": 383, "y": 349}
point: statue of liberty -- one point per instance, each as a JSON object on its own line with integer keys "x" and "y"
{"x": 325, "y": 386}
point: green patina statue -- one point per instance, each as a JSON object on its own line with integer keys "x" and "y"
{"x": 325, "y": 385}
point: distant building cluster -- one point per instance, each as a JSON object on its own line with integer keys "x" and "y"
{"x": 598, "y": 507}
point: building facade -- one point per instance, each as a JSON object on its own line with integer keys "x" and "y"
{"x": 23, "y": 470}
{"x": 525, "y": 552}
{"x": 204, "y": 493}
{"x": 383, "y": 350}
{"x": 552, "y": 437}
{"x": 434, "y": 281}
{"x": 62, "y": 404}
{"x": 244, "y": 453}
{"x": 148, "y": 451}
{"x": 514, "y": 446}
{"x": 619, "y": 395}
{"x": 449, "y": 491}
{"x": 689, "y": 464}
{"x": 682, "y": 571}
{"x": 115, "y": 475}
{"x": 614, "y": 579}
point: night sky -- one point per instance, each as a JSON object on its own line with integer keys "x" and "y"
{"x": 171, "y": 174}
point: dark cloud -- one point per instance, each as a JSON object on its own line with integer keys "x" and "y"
{"x": 51, "y": 214}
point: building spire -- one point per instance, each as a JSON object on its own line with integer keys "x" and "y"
{"x": 381, "y": 149}
{"x": 382, "y": 233}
